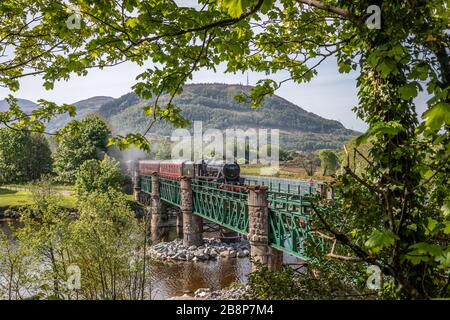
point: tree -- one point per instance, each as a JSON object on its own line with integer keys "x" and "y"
{"x": 285, "y": 154}
{"x": 24, "y": 156}
{"x": 109, "y": 246}
{"x": 74, "y": 148}
{"x": 309, "y": 161}
{"x": 40, "y": 160}
{"x": 95, "y": 175}
{"x": 329, "y": 162}
{"x": 396, "y": 216}
{"x": 105, "y": 243}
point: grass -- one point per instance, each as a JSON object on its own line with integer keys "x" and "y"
{"x": 13, "y": 198}
{"x": 30, "y": 186}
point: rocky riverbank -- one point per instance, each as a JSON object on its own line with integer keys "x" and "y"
{"x": 222, "y": 294}
{"x": 212, "y": 249}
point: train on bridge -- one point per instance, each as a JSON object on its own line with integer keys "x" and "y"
{"x": 220, "y": 171}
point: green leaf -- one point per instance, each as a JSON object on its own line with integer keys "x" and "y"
{"x": 408, "y": 91}
{"x": 380, "y": 239}
{"x": 437, "y": 116}
{"x": 431, "y": 226}
{"x": 444, "y": 260}
{"x": 447, "y": 227}
{"x": 132, "y": 22}
{"x": 446, "y": 208}
{"x": 387, "y": 67}
{"x": 427, "y": 248}
{"x": 390, "y": 128}
{"x": 234, "y": 7}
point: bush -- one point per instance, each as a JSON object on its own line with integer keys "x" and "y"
{"x": 100, "y": 176}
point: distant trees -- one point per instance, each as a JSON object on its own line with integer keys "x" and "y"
{"x": 74, "y": 148}
{"x": 309, "y": 162}
{"x": 95, "y": 175}
{"x": 285, "y": 155}
{"x": 24, "y": 156}
{"x": 329, "y": 162}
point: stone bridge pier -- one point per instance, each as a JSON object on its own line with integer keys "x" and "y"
{"x": 258, "y": 230}
{"x": 158, "y": 211}
{"x": 192, "y": 224}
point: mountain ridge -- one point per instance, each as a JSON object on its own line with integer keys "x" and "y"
{"x": 215, "y": 106}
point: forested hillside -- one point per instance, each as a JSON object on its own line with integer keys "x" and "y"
{"x": 214, "y": 104}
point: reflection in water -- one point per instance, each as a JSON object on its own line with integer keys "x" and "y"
{"x": 175, "y": 279}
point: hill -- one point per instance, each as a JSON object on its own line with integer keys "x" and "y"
{"x": 214, "y": 104}
{"x": 84, "y": 108}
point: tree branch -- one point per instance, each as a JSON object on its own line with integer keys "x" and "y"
{"x": 326, "y": 7}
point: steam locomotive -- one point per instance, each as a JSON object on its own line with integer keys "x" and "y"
{"x": 220, "y": 171}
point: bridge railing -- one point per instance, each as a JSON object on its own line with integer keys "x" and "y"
{"x": 146, "y": 183}
{"x": 221, "y": 203}
{"x": 291, "y": 232}
{"x": 169, "y": 190}
{"x": 291, "y": 186}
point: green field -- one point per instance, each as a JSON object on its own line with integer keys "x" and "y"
{"x": 33, "y": 186}
{"x": 11, "y": 198}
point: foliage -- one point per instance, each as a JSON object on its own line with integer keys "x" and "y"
{"x": 107, "y": 245}
{"x": 44, "y": 234}
{"x": 24, "y": 156}
{"x": 329, "y": 162}
{"x": 285, "y": 155}
{"x": 318, "y": 279}
{"x": 15, "y": 275}
{"x": 95, "y": 175}
{"x": 309, "y": 162}
{"x": 396, "y": 216}
{"x": 355, "y": 156}
{"x": 104, "y": 241}
{"x": 75, "y": 147}
{"x": 264, "y": 284}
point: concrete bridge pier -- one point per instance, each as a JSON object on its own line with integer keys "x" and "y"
{"x": 158, "y": 212}
{"x": 258, "y": 235}
{"x": 192, "y": 224}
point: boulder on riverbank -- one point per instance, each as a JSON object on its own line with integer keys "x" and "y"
{"x": 222, "y": 294}
{"x": 211, "y": 249}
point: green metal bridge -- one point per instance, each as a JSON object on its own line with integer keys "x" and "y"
{"x": 289, "y": 226}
